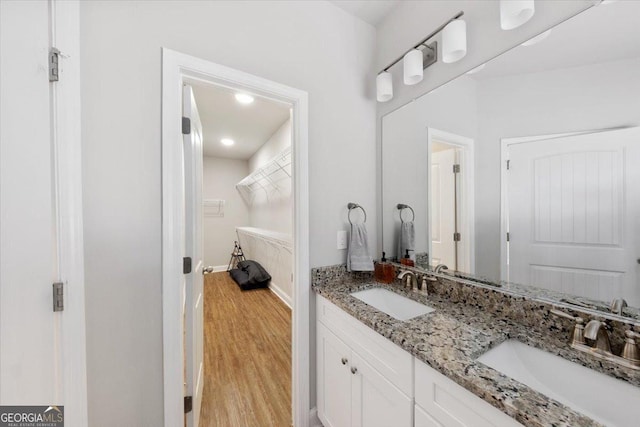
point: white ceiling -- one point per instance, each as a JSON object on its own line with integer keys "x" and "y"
{"x": 371, "y": 11}
{"x": 601, "y": 34}
{"x": 250, "y": 126}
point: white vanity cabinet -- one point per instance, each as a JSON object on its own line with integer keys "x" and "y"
{"x": 364, "y": 380}
{"x": 440, "y": 402}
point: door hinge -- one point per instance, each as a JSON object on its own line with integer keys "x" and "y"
{"x": 186, "y": 265}
{"x": 188, "y": 404}
{"x": 54, "y": 59}
{"x": 508, "y": 236}
{"x": 186, "y": 125}
{"x": 456, "y": 168}
{"x": 508, "y": 164}
{"x": 456, "y": 237}
{"x": 58, "y": 297}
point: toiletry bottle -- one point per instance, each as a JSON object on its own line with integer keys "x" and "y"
{"x": 384, "y": 271}
{"x": 407, "y": 259}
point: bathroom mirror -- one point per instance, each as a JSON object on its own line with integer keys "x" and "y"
{"x": 525, "y": 172}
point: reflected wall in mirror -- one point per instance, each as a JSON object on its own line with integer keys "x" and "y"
{"x": 546, "y": 197}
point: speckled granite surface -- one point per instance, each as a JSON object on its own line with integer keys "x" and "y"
{"x": 465, "y": 325}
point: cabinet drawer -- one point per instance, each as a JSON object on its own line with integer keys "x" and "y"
{"x": 451, "y": 405}
{"x": 395, "y": 364}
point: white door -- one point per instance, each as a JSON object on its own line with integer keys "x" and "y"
{"x": 443, "y": 215}
{"x": 574, "y": 205}
{"x": 30, "y": 332}
{"x": 194, "y": 321}
{"x": 334, "y": 379}
{"x": 375, "y": 401}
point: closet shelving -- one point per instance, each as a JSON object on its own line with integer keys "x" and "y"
{"x": 268, "y": 178}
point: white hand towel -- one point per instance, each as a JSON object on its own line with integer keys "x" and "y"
{"x": 407, "y": 240}
{"x": 358, "y": 257}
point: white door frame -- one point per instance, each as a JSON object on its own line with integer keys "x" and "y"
{"x": 65, "y": 96}
{"x": 505, "y": 143}
{"x": 466, "y": 213}
{"x": 175, "y": 68}
{"x": 67, "y": 191}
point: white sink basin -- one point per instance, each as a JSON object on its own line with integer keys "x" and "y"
{"x": 605, "y": 399}
{"x": 396, "y": 306}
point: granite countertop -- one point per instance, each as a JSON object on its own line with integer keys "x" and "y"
{"x": 451, "y": 338}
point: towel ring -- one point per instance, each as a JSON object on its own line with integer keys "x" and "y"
{"x": 353, "y": 206}
{"x": 401, "y": 207}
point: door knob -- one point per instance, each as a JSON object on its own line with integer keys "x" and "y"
{"x": 207, "y": 270}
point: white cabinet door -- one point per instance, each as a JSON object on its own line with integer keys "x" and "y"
{"x": 422, "y": 419}
{"x": 376, "y": 402}
{"x": 334, "y": 379}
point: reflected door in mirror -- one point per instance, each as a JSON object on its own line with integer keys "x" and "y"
{"x": 573, "y": 209}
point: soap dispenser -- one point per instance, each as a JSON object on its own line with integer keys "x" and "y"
{"x": 407, "y": 259}
{"x": 385, "y": 272}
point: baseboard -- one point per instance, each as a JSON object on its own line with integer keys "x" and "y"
{"x": 281, "y": 294}
{"x": 219, "y": 268}
{"x": 314, "y": 421}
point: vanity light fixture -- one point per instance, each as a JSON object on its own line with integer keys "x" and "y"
{"x": 227, "y": 141}
{"x": 424, "y": 54}
{"x": 244, "y": 98}
{"x": 384, "y": 86}
{"x": 537, "y": 39}
{"x": 413, "y": 69}
{"x": 454, "y": 41}
{"x": 514, "y": 13}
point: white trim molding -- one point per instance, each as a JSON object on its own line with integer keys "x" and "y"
{"x": 65, "y": 96}
{"x": 176, "y": 67}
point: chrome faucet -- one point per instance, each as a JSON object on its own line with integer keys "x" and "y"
{"x": 409, "y": 279}
{"x": 439, "y": 268}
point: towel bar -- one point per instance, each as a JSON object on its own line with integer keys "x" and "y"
{"x": 352, "y": 206}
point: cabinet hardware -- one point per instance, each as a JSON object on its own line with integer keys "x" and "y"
{"x": 344, "y": 360}
{"x": 354, "y": 370}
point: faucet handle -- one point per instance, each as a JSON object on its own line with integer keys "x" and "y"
{"x": 577, "y": 336}
{"x": 579, "y": 320}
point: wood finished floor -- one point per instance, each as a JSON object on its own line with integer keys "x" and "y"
{"x": 247, "y": 356}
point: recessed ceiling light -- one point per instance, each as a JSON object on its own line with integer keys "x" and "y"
{"x": 227, "y": 141}
{"x": 244, "y": 98}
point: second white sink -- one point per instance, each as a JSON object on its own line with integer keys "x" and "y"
{"x": 396, "y": 306}
{"x": 605, "y": 399}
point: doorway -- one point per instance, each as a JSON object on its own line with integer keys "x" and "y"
{"x": 179, "y": 69}
{"x": 238, "y": 367}
{"x": 451, "y": 223}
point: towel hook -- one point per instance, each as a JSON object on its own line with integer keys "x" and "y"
{"x": 401, "y": 207}
{"x": 353, "y": 206}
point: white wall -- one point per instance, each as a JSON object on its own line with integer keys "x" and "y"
{"x": 220, "y": 177}
{"x": 313, "y": 46}
{"x": 582, "y": 98}
{"x": 273, "y": 210}
{"x": 450, "y": 108}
